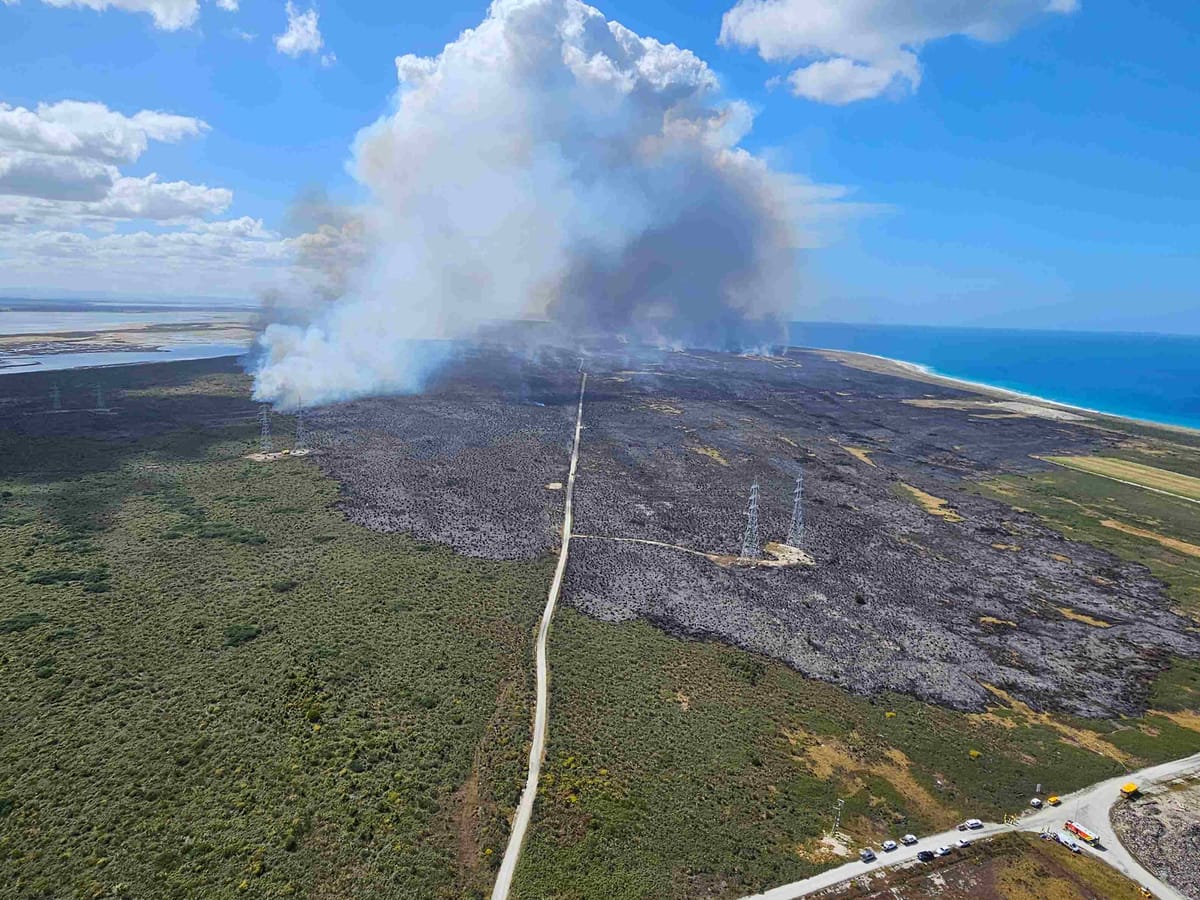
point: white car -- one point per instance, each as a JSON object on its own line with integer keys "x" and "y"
{"x": 973, "y": 824}
{"x": 889, "y": 846}
{"x": 943, "y": 851}
{"x": 963, "y": 843}
{"x": 1035, "y": 803}
{"x": 908, "y": 840}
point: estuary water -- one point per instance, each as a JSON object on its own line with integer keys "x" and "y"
{"x": 1143, "y": 376}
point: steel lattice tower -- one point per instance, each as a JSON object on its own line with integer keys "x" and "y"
{"x": 265, "y": 444}
{"x": 796, "y": 530}
{"x": 750, "y": 541}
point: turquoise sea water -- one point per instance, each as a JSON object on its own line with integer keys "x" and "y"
{"x": 1144, "y": 376}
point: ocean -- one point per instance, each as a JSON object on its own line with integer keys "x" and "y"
{"x": 1143, "y": 376}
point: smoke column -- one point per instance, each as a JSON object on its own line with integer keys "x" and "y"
{"x": 548, "y": 163}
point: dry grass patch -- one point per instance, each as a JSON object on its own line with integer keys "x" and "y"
{"x": 1164, "y": 480}
{"x": 712, "y": 453}
{"x": 1170, "y": 543}
{"x": 1075, "y": 616}
{"x": 992, "y": 620}
{"x": 862, "y": 454}
{"x": 1078, "y": 737}
{"x": 935, "y": 506}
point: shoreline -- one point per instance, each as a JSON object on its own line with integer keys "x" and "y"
{"x": 886, "y": 365}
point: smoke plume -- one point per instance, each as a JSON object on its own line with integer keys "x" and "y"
{"x": 547, "y": 164}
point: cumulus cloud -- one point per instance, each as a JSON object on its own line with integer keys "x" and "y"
{"x": 91, "y": 130}
{"x": 149, "y": 198}
{"x": 550, "y": 163}
{"x": 302, "y": 35}
{"x": 54, "y": 177}
{"x": 65, "y": 206}
{"x": 857, "y": 49}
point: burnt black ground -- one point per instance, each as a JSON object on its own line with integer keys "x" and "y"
{"x": 896, "y": 598}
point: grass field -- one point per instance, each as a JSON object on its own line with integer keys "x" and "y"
{"x": 1152, "y": 477}
{"x": 685, "y": 769}
{"x": 214, "y": 686}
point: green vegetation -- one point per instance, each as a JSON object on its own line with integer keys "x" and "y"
{"x": 214, "y": 686}
{"x": 680, "y": 768}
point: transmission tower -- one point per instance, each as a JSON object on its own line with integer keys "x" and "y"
{"x": 55, "y": 398}
{"x": 796, "y": 530}
{"x": 301, "y": 435}
{"x": 265, "y": 444}
{"x": 750, "y": 541}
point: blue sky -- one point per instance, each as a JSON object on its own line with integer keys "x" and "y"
{"x": 1043, "y": 177}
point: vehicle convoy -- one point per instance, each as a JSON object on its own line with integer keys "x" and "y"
{"x": 1084, "y": 834}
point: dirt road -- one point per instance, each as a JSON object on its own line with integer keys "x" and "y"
{"x": 525, "y": 808}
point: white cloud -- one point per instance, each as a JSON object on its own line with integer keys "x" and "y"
{"x": 857, "y": 49}
{"x": 169, "y": 15}
{"x": 302, "y": 35}
{"x": 839, "y": 81}
{"x": 90, "y": 130}
{"x": 149, "y": 198}
{"x": 65, "y": 208}
{"x": 206, "y": 262}
{"x": 54, "y": 177}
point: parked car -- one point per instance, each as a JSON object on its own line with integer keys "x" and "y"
{"x": 866, "y": 854}
{"x": 943, "y": 851}
{"x": 974, "y": 824}
{"x": 908, "y": 840}
{"x": 963, "y": 843}
{"x": 1035, "y": 803}
{"x": 962, "y": 826}
{"x": 925, "y": 856}
{"x": 1053, "y": 800}
{"x": 889, "y": 846}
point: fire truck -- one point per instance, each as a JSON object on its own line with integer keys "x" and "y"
{"x": 1088, "y": 837}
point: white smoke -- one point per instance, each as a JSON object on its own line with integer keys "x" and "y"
{"x": 549, "y": 163}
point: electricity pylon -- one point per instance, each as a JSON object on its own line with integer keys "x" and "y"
{"x": 750, "y": 541}
{"x": 796, "y": 530}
